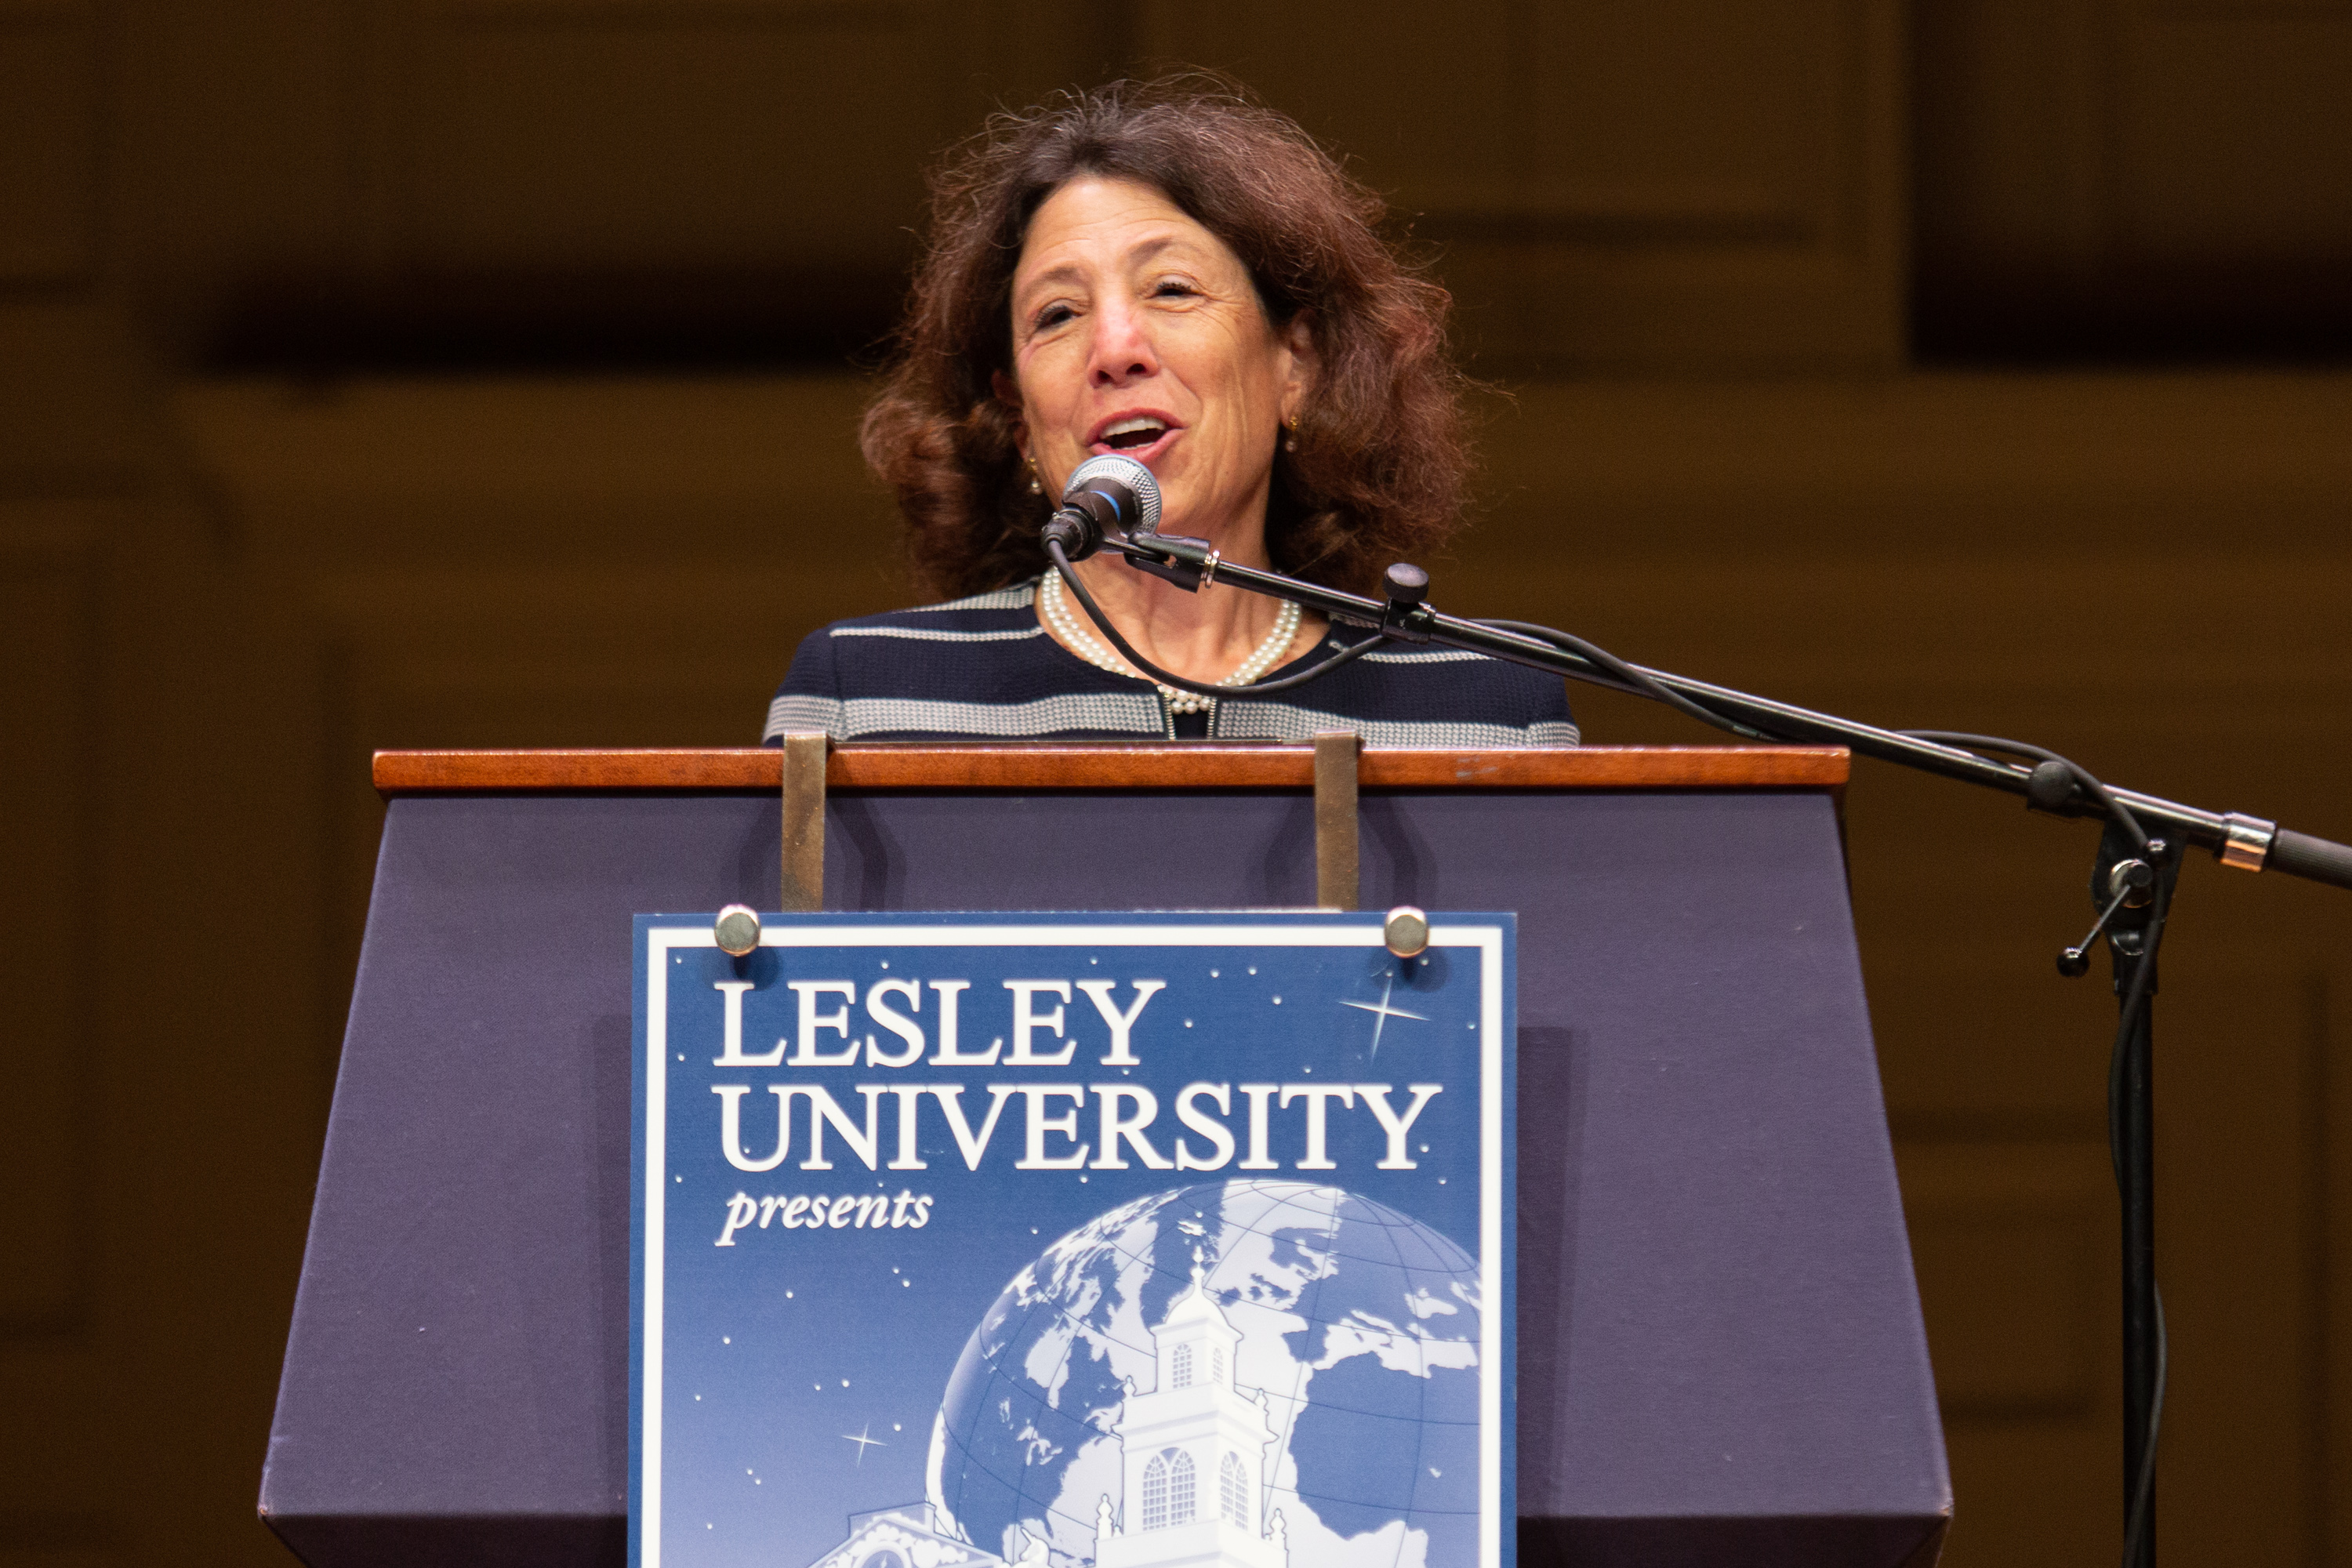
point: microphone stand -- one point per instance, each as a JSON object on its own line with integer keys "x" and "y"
{"x": 2133, "y": 877}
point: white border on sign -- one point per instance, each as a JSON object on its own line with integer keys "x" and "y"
{"x": 1485, "y": 939}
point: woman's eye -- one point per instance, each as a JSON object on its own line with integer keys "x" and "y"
{"x": 1052, "y": 316}
{"x": 1173, "y": 288}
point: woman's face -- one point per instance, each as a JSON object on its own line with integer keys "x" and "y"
{"x": 1135, "y": 329}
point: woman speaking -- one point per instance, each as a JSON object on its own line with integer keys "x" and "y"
{"x": 1175, "y": 273}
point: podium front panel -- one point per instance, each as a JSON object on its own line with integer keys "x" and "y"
{"x": 1720, "y": 1352}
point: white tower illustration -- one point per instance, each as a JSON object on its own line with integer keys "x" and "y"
{"x": 1193, "y": 1455}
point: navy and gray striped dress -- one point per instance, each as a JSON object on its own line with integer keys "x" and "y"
{"x": 982, "y": 669}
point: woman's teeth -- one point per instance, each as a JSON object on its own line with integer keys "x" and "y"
{"x": 1129, "y": 432}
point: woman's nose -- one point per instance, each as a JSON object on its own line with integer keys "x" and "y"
{"x": 1123, "y": 350}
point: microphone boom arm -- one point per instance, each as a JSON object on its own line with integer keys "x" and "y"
{"x": 2248, "y": 843}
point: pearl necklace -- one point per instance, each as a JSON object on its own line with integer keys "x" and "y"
{"x": 1067, "y": 626}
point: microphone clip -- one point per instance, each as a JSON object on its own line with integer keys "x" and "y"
{"x": 1408, "y": 617}
{"x": 1190, "y": 563}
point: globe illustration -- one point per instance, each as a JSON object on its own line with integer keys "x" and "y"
{"x": 1355, "y": 1331}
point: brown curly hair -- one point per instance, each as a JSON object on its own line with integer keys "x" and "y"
{"x": 1382, "y": 463}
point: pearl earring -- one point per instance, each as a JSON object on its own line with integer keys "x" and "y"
{"x": 1291, "y": 442}
{"x": 1034, "y": 488}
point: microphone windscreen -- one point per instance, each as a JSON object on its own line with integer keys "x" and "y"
{"x": 1131, "y": 475}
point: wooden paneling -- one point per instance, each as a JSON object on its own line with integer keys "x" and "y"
{"x": 1614, "y": 183}
{"x": 2009, "y": 1243}
{"x": 54, "y": 1156}
{"x": 74, "y": 418}
{"x": 534, "y": 478}
{"x": 71, "y": 441}
{"x": 551, "y": 138}
{"x": 204, "y": 1035}
{"x": 1606, "y": 184}
{"x": 2232, "y": 136}
{"x": 51, "y": 136}
{"x": 477, "y": 181}
{"x": 1688, "y": 121}
{"x": 2154, "y": 177}
{"x": 47, "y": 1154}
{"x": 2242, "y": 1160}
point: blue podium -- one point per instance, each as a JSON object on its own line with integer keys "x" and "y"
{"x": 1720, "y": 1345}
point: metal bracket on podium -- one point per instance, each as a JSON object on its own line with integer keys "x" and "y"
{"x": 803, "y": 822}
{"x": 1335, "y": 882}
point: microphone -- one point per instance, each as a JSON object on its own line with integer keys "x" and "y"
{"x": 1105, "y": 493}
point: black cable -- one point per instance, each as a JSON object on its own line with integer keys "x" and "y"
{"x": 2091, "y": 786}
{"x": 1152, "y": 671}
{"x": 1635, "y": 680}
{"x": 2136, "y": 1521}
{"x": 2135, "y": 1005}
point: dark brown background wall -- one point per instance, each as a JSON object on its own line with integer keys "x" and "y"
{"x": 381, "y": 372}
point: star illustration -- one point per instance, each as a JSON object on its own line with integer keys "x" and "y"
{"x": 1384, "y": 1011}
{"x": 864, "y": 1441}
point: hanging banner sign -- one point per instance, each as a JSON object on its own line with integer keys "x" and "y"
{"x": 1073, "y": 1241}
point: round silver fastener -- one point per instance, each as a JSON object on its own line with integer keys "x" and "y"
{"x": 1406, "y": 932}
{"x": 737, "y": 929}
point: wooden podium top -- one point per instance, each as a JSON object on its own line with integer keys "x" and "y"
{"x": 1156, "y": 765}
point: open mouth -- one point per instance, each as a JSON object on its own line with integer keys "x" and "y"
{"x": 1128, "y": 434}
